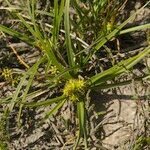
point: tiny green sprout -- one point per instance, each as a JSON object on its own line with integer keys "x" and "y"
{"x": 73, "y": 88}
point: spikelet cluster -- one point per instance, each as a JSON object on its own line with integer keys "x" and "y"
{"x": 73, "y": 88}
{"x": 7, "y": 73}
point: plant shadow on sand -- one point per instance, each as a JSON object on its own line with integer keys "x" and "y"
{"x": 118, "y": 119}
{"x": 113, "y": 122}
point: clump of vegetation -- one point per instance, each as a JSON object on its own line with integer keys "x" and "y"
{"x": 69, "y": 43}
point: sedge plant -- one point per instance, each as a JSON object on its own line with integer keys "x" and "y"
{"x": 66, "y": 53}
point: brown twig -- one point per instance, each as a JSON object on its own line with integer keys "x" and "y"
{"x": 18, "y": 57}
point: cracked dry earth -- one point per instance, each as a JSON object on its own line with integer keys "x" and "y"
{"x": 125, "y": 118}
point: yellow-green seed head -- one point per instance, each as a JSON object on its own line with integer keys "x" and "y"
{"x": 73, "y": 87}
{"x": 7, "y": 73}
{"x": 54, "y": 70}
{"x": 109, "y": 26}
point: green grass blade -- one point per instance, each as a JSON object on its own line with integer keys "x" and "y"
{"x": 29, "y": 27}
{"x": 32, "y": 72}
{"x": 58, "y": 13}
{"x": 5, "y": 100}
{"x": 64, "y": 73}
{"x": 40, "y": 12}
{"x": 55, "y": 24}
{"x": 119, "y": 68}
{"x": 16, "y": 94}
{"x": 45, "y": 103}
{"x": 22, "y": 82}
{"x": 32, "y": 10}
{"x": 70, "y": 53}
{"x": 101, "y": 86}
{"x": 30, "y": 96}
{"x": 61, "y": 11}
{"x": 46, "y": 46}
{"x": 101, "y": 41}
{"x": 82, "y": 124}
{"x": 19, "y": 35}
{"x": 132, "y": 29}
{"x": 55, "y": 109}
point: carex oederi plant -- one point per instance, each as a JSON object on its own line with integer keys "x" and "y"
{"x": 69, "y": 40}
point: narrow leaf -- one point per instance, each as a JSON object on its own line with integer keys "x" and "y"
{"x": 82, "y": 124}
{"x": 132, "y": 29}
{"x": 70, "y": 53}
{"x": 19, "y": 35}
{"x": 54, "y": 109}
{"x": 45, "y": 103}
{"x": 119, "y": 68}
{"x": 21, "y": 83}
